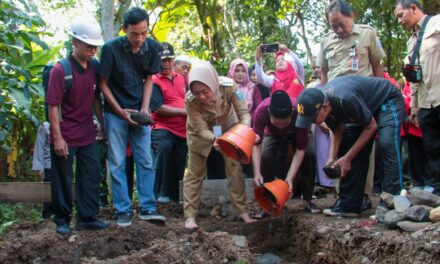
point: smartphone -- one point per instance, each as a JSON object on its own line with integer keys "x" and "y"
{"x": 267, "y": 48}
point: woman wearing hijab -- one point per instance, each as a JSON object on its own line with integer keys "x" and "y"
{"x": 213, "y": 105}
{"x": 289, "y": 72}
{"x": 238, "y": 71}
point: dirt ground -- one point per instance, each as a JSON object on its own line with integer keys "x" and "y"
{"x": 295, "y": 237}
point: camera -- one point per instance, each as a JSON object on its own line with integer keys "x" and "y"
{"x": 267, "y": 48}
{"x": 412, "y": 73}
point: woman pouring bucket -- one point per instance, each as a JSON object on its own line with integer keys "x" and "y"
{"x": 213, "y": 106}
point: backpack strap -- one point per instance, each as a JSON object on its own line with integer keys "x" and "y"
{"x": 67, "y": 74}
{"x": 415, "y": 53}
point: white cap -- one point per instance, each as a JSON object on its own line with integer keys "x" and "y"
{"x": 183, "y": 58}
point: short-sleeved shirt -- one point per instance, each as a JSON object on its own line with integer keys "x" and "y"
{"x": 169, "y": 92}
{"x": 335, "y": 52}
{"x": 77, "y": 127}
{"x": 427, "y": 92}
{"x": 126, "y": 71}
{"x": 356, "y": 99}
{"x": 263, "y": 127}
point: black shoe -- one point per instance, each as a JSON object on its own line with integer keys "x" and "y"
{"x": 151, "y": 216}
{"x": 63, "y": 229}
{"x": 366, "y": 204}
{"x": 338, "y": 211}
{"x": 93, "y": 225}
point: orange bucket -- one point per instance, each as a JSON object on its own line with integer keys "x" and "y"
{"x": 237, "y": 143}
{"x": 272, "y": 196}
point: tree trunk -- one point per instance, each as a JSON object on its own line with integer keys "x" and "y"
{"x": 107, "y": 19}
{"x": 303, "y": 36}
{"x": 431, "y": 7}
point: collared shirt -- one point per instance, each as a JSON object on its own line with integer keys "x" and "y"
{"x": 264, "y": 127}
{"x": 427, "y": 92}
{"x": 77, "y": 126}
{"x": 169, "y": 92}
{"x": 230, "y": 109}
{"x": 335, "y": 52}
{"x": 126, "y": 71}
{"x": 356, "y": 99}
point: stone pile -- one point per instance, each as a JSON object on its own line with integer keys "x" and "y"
{"x": 409, "y": 212}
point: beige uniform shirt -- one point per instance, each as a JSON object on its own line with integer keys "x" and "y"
{"x": 427, "y": 92}
{"x": 335, "y": 53}
{"x": 230, "y": 109}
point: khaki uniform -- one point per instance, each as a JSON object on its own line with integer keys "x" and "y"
{"x": 230, "y": 109}
{"x": 427, "y": 92}
{"x": 335, "y": 56}
{"x": 335, "y": 52}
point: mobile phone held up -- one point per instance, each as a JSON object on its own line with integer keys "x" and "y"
{"x": 267, "y": 48}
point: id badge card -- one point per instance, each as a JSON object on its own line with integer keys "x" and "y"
{"x": 217, "y": 130}
{"x": 354, "y": 64}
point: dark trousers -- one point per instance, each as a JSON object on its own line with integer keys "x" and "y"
{"x": 274, "y": 163}
{"x": 389, "y": 120}
{"x": 129, "y": 172}
{"x": 429, "y": 120}
{"x": 86, "y": 184}
{"x": 171, "y": 152}
{"x": 103, "y": 186}
{"x": 416, "y": 160}
{"x": 351, "y": 188}
{"x": 215, "y": 165}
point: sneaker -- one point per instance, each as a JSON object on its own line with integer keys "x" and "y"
{"x": 151, "y": 216}
{"x": 93, "y": 225}
{"x": 163, "y": 200}
{"x": 366, "y": 203}
{"x": 337, "y": 211}
{"x": 63, "y": 229}
{"x": 124, "y": 220}
{"x": 312, "y": 208}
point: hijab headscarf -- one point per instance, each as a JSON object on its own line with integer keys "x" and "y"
{"x": 204, "y": 72}
{"x": 287, "y": 80}
{"x": 247, "y": 87}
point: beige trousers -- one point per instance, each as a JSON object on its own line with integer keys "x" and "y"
{"x": 193, "y": 184}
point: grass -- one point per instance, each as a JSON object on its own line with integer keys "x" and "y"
{"x": 17, "y": 213}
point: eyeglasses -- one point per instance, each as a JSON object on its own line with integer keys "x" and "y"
{"x": 89, "y": 47}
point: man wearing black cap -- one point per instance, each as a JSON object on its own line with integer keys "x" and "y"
{"x": 274, "y": 121}
{"x": 168, "y": 137}
{"x": 354, "y": 108}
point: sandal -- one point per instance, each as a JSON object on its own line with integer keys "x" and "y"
{"x": 312, "y": 208}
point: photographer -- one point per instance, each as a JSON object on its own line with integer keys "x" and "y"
{"x": 425, "y": 90}
{"x": 289, "y": 70}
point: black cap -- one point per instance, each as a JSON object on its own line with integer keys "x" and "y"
{"x": 167, "y": 51}
{"x": 280, "y": 105}
{"x": 309, "y": 103}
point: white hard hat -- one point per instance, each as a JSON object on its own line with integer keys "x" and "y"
{"x": 87, "y": 30}
{"x": 183, "y": 58}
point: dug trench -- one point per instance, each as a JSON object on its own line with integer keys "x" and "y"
{"x": 294, "y": 237}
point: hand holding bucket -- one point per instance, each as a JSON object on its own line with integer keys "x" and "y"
{"x": 237, "y": 143}
{"x": 272, "y": 196}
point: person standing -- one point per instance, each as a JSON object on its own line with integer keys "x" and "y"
{"x": 128, "y": 64}
{"x": 72, "y": 132}
{"x": 182, "y": 65}
{"x": 169, "y": 130}
{"x": 425, "y": 91}
{"x": 350, "y": 49}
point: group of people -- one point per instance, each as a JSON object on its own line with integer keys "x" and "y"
{"x": 351, "y": 105}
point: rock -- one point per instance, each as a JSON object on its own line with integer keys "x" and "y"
{"x": 72, "y": 238}
{"x": 324, "y": 230}
{"x": 401, "y": 203}
{"x": 392, "y": 218}
{"x": 380, "y": 213}
{"x": 434, "y": 215}
{"x": 268, "y": 258}
{"x": 387, "y": 199}
{"x": 422, "y": 197}
{"x": 240, "y": 241}
{"x": 366, "y": 260}
{"x": 412, "y": 226}
{"x": 418, "y": 213}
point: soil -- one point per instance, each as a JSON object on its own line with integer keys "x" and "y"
{"x": 296, "y": 237}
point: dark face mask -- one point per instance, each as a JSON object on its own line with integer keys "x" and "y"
{"x": 412, "y": 73}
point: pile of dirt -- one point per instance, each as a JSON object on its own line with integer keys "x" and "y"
{"x": 295, "y": 236}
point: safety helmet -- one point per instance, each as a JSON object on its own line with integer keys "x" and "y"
{"x": 86, "y": 30}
